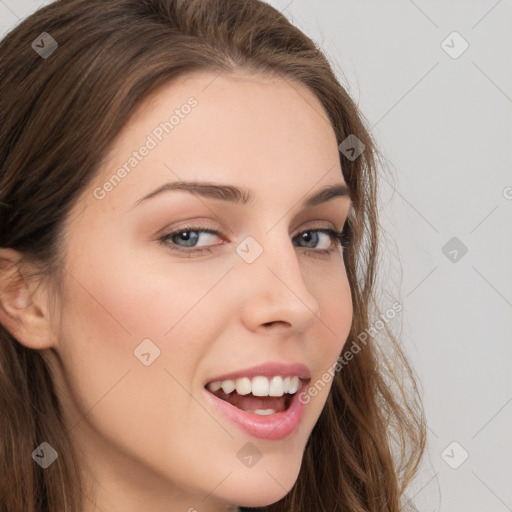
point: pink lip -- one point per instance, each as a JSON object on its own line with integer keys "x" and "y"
{"x": 268, "y": 370}
{"x": 272, "y": 427}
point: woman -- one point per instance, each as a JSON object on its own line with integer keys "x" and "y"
{"x": 187, "y": 258}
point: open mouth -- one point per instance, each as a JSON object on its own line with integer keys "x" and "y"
{"x": 262, "y": 405}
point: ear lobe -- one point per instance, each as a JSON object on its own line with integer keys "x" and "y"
{"x": 23, "y": 305}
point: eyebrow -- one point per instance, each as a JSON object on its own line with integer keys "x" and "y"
{"x": 240, "y": 195}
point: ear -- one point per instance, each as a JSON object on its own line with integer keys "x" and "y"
{"x": 24, "y": 305}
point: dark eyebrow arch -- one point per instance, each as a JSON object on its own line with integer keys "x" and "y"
{"x": 239, "y": 195}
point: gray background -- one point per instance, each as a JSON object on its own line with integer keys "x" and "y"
{"x": 444, "y": 125}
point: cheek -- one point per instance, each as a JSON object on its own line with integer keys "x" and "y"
{"x": 117, "y": 311}
{"x": 332, "y": 291}
{"x": 135, "y": 297}
{"x": 104, "y": 321}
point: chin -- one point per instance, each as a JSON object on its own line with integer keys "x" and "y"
{"x": 263, "y": 486}
{"x": 259, "y": 497}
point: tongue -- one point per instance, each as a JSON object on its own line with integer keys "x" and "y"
{"x": 250, "y": 402}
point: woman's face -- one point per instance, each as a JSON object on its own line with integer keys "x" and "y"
{"x": 146, "y": 321}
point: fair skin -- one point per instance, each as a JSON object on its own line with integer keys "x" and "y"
{"x": 148, "y": 437}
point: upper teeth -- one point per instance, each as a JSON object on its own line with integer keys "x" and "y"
{"x": 259, "y": 386}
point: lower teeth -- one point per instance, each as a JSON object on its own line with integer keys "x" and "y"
{"x": 263, "y": 412}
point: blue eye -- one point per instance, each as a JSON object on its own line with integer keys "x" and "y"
{"x": 337, "y": 239}
{"x": 185, "y": 240}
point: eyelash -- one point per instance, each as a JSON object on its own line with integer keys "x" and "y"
{"x": 339, "y": 239}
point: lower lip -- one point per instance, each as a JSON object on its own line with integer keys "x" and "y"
{"x": 272, "y": 427}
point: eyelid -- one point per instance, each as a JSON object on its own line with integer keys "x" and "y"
{"x": 189, "y": 224}
{"x": 205, "y": 224}
{"x": 317, "y": 224}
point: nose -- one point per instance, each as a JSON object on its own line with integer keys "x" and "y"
{"x": 274, "y": 293}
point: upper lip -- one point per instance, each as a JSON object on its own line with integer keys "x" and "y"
{"x": 268, "y": 370}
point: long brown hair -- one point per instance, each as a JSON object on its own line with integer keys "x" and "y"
{"x": 60, "y": 115}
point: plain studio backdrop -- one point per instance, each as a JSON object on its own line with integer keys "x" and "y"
{"x": 434, "y": 81}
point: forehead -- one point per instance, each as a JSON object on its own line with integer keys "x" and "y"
{"x": 252, "y": 130}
